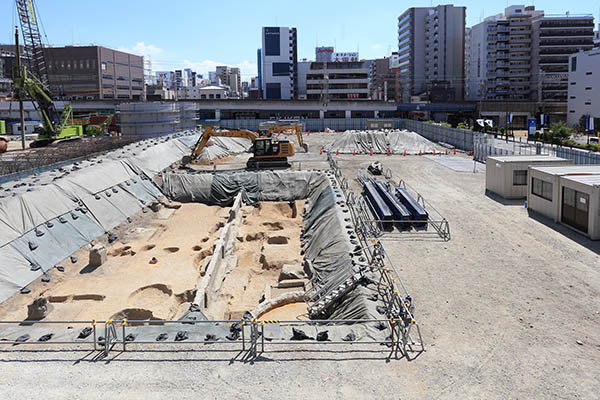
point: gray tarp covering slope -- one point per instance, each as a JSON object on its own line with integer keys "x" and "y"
{"x": 224, "y": 146}
{"x": 396, "y": 141}
{"x": 45, "y": 217}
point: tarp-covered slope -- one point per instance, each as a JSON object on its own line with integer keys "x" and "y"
{"x": 326, "y": 240}
{"x": 380, "y": 142}
{"x": 46, "y": 217}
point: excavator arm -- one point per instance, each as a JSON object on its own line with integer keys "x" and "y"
{"x": 210, "y": 132}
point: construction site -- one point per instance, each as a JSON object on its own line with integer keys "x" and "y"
{"x": 177, "y": 260}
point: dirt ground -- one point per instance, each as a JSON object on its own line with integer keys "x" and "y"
{"x": 508, "y": 308}
{"x": 269, "y": 237}
{"x": 127, "y": 285}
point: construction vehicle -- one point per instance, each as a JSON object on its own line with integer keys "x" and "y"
{"x": 267, "y": 152}
{"x": 32, "y": 80}
{"x": 282, "y": 128}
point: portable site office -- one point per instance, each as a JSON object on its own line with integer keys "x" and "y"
{"x": 569, "y": 195}
{"x": 507, "y": 175}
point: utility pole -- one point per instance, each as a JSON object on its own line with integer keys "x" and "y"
{"x": 20, "y": 93}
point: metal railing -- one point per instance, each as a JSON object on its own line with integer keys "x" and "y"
{"x": 252, "y": 333}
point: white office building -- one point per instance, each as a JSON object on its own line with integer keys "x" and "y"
{"x": 584, "y": 86}
{"x": 279, "y": 63}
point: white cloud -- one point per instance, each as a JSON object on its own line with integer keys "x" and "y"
{"x": 143, "y": 49}
{"x": 376, "y": 46}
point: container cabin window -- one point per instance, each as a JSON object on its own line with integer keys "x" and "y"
{"x": 541, "y": 188}
{"x": 520, "y": 178}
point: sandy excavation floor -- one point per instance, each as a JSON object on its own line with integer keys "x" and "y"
{"x": 269, "y": 237}
{"x": 127, "y": 285}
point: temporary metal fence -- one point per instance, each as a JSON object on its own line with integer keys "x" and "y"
{"x": 485, "y": 145}
{"x": 461, "y": 139}
{"x": 106, "y": 334}
{"x": 311, "y": 124}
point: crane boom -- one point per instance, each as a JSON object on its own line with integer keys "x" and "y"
{"x": 32, "y": 40}
{"x": 31, "y": 79}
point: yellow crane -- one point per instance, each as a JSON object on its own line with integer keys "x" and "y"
{"x": 267, "y": 151}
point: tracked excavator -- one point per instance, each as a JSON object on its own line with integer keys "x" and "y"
{"x": 267, "y": 151}
{"x": 286, "y": 127}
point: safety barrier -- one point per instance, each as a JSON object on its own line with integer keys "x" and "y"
{"x": 399, "y": 305}
{"x": 251, "y": 333}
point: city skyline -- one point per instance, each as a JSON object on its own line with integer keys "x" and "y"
{"x": 200, "y": 48}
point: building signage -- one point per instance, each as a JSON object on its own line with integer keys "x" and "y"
{"x": 345, "y": 57}
{"x": 555, "y": 77}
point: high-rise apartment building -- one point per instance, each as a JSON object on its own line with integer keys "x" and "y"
{"x": 524, "y": 54}
{"x": 555, "y": 38}
{"x": 279, "y": 63}
{"x": 431, "y": 52}
{"x": 509, "y": 43}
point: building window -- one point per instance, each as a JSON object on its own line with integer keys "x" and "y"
{"x": 541, "y": 188}
{"x": 272, "y": 47}
{"x": 103, "y": 66}
{"x": 588, "y": 88}
{"x": 520, "y": 178}
{"x": 281, "y": 69}
{"x": 203, "y": 96}
{"x": 218, "y": 96}
{"x": 211, "y": 96}
{"x": 273, "y": 91}
{"x": 573, "y": 63}
{"x": 588, "y": 73}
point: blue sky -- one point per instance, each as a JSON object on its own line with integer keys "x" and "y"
{"x": 202, "y": 34}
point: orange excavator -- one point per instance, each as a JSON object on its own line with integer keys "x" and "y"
{"x": 267, "y": 151}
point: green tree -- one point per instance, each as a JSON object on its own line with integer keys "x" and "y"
{"x": 560, "y": 132}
